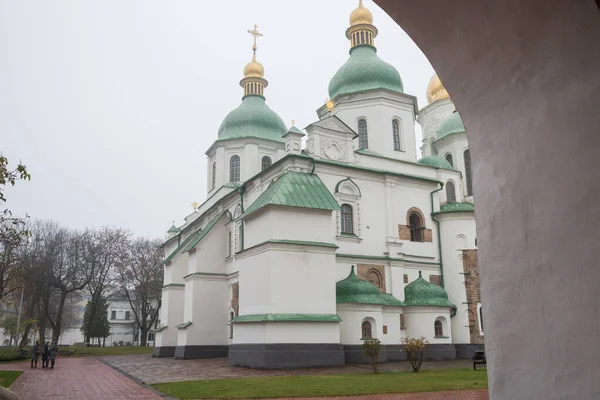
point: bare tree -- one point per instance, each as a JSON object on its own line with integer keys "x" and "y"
{"x": 104, "y": 250}
{"x": 68, "y": 274}
{"x": 10, "y": 263}
{"x": 141, "y": 279}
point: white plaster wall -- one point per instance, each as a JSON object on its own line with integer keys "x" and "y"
{"x": 391, "y": 319}
{"x": 458, "y": 230}
{"x": 209, "y": 314}
{"x": 287, "y": 332}
{"x": 292, "y": 223}
{"x": 379, "y": 109}
{"x": 353, "y": 315}
{"x": 211, "y": 251}
{"x": 171, "y": 315}
{"x": 420, "y": 321}
{"x": 430, "y": 118}
{"x": 288, "y": 279}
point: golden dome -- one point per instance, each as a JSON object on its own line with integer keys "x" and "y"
{"x": 435, "y": 90}
{"x": 361, "y": 15}
{"x": 254, "y": 69}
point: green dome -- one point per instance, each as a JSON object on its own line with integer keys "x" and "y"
{"x": 423, "y": 293}
{"x": 364, "y": 70}
{"x": 356, "y": 290}
{"x": 435, "y": 161}
{"x": 452, "y": 124}
{"x": 253, "y": 118}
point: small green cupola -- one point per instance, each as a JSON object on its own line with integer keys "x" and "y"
{"x": 173, "y": 230}
{"x": 422, "y": 293}
{"x": 364, "y": 70}
{"x": 356, "y": 290}
{"x": 253, "y": 118}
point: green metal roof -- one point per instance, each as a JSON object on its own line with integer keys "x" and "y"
{"x": 436, "y": 161}
{"x": 452, "y": 124}
{"x": 364, "y": 70}
{"x": 181, "y": 246}
{"x": 287, "y": 318}
{"x": 295, "y": 189}
{"x": 356, "y": 290}
{"x": 456, "y": 207}
{"x": 198, "y": 236}
{"x": 293, "y": 129}
{"x": 422, "y": 293}
{"x": 252, "y": 118}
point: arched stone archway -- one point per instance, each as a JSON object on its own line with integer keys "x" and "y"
{"x": 525, "y": 77}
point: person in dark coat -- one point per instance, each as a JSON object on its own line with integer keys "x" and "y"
{"x": 35, "y": 354}
{"x": 52, "y": 356}
{"x": 45, "y": 355}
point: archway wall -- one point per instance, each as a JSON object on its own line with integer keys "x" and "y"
{"x": 525, "y": 77}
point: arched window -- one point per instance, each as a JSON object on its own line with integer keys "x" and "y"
{"x": 468, "y": 175}
{"x": 363, "y": 141}
{"x": 266, "y": 163}
{"x": 396, "y": 134}
{"x": 229, "y": 244}
{"x": 416, "y": 228}
{"x": 234, "y": 169}
{"x": 367, "y": 332}
{"x": 450, "y": 192}
{"x": 438, "y": 328}
{"x": 375, "y": 278}
{"x": 231, "y": 317}
{"x": 214, "y": 175}
{"x": 449, "y": 159}
{"x": 347, "y": 219}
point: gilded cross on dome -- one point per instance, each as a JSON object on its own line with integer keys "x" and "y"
{"x": 254, "y": 32}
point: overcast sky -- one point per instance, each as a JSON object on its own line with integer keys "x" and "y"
{"x": 112, "y": 104}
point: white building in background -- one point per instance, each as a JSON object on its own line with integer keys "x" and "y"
{"x": 300, "y": 254}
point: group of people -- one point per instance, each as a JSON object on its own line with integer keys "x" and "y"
{"x": 48, "y": 354}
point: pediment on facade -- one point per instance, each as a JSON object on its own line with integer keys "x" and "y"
{"x": 332, "y": 125}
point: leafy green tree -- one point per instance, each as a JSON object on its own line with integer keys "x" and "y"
{"x": 96, "y": 324}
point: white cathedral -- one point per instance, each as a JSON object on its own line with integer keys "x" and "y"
{"x": 300, "y": 253}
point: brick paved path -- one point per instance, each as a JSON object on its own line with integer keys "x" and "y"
{"x": 76, "y": 378}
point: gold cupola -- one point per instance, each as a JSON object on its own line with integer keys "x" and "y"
{"x": 254, "y": 83}
{"x": 361, "y": 30}
{"x": 436, "y": 90}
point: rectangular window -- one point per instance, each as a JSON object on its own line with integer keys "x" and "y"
{"x": 229, "y": 243}
{"x": 151, "y": 337}
{"x": 385, "y": 329}
{"x": 113, "y": 315}
{"x": 402, "y": 326}
{"x": 127, "y": 315}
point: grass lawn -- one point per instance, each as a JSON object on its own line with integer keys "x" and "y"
{"x": 8, "y": 377}
{"x": 328, "y": 385}
{"x": 109, "y": 350}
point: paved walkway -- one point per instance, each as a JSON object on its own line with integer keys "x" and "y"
{"x": 91, "y": 379}
{"x": 76, "y": 378}
{"x": 159, "y": 370}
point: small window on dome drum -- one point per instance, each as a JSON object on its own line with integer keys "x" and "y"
{"x": 450, "y": 192}
{"x": 396, "y": 134}
{"x": 234, "y": 169}
{"x": 265, "y": 163}
{"x": 363, "y": 141}
{"x": 449, "y": 159}
{"x": 468, "y": 174}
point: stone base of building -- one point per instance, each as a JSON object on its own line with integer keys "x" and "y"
{"x": 433, "y": 352}
{"x": 286, "y": 356}
{"x": 163, "y": 351}
{"x": 466, "y": 350}
{"x": 192, "y": 352}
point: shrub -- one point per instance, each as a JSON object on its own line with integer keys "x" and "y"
{"x": 120, "y": 343}
{"x": 12, "y": 354}
{"x": 414, "y": 347}
{"x": 371, "y": 349}
{"x": 128, "y": 344}
{"x": 115, "y": 344}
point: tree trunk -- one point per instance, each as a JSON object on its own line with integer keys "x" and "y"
{"x": 103, "y": 342}
{"x": 59, "y": 312}
{"x": 143, "y": 335}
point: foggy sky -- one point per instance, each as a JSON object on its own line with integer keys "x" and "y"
{"x": 112, "y": 104}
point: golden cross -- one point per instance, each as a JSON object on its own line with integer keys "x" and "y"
{"x": 293, "y": 122}
{"x": 254, "y": 32}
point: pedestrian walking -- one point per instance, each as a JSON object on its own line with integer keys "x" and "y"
{"x": 35, "y": 354}
{"x": 45, "y": 355}
{"x": 52, "y": 355}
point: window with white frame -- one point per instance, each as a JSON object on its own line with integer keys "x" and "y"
{"x": 363, "y": 139}
{"x": 348, "y": 195}
{"x": 397, "y": 135}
